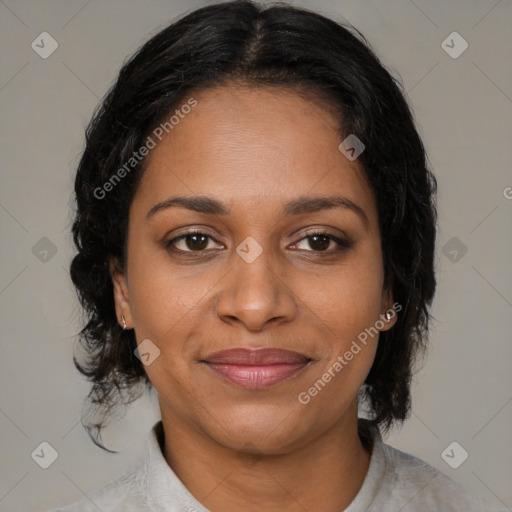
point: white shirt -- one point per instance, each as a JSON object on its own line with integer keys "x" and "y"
{"x": 396, "y": 481}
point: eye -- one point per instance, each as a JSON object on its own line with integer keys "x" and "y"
{"x": 321, "y": 241}
{"x": 191, "y": 241}
{"x": 195, "y": 241}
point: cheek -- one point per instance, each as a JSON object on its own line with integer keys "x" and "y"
{"x": 349, "y": 298}
{"x": 350, "y": 345}
{"x": 348, "y": 305}
{"x": 163, "y": 308}
{"x": 162, "y": 297}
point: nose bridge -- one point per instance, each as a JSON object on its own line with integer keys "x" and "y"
{"x": 254, "y": 293}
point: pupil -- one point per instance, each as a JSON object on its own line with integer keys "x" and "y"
{"x": 202, "y": 244}
{"x": 322, "y": 245}
{"x": 319, "y": 246}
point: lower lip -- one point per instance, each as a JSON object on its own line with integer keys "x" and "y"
{"x": 256, "y": 377}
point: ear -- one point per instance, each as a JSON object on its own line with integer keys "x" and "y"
{"x": 389, "y": 308}
{"x": 121, "y": 295}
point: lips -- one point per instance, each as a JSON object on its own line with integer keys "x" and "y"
{"x": 256, "y": 369}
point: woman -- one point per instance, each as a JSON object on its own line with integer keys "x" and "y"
{"x": 255, "y": 229}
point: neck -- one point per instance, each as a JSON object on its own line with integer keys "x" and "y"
{"x": 328, "y": 470}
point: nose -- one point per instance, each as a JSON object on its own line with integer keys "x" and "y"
{"x": 255, "y": 295}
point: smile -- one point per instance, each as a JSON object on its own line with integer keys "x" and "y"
{"x": 256, "y": 369}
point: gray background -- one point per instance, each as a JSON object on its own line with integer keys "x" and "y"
{"x": 463, "y": 108}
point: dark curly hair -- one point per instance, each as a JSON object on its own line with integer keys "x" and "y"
{"x": 278, "y": 45}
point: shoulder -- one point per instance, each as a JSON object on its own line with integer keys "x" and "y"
{"x": 149, "y": 485}
{"x": 122, "y": 494}
{"x": 417, "y": 486}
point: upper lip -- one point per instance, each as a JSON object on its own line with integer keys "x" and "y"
{"x": 262, "y": 356}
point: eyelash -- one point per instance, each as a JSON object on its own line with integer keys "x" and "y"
{"x": 342, "y": 244}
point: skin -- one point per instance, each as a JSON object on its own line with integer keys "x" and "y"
{"x": 255, "y": 150}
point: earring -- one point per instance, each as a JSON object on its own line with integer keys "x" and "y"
{"x": 388, "y": 315}
{"x": 124, "y": 322}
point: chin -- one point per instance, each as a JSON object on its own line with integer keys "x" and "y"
{"x": 268, "y": 430}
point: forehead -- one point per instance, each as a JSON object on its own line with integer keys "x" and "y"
{"x": 245, "y": 144}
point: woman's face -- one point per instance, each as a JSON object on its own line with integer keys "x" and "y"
{"x": 252, "y": 278}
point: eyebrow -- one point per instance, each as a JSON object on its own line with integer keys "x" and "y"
{"x": 299, "y": 206}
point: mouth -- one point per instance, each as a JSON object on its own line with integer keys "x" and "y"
{"x": 256, "y": 369}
